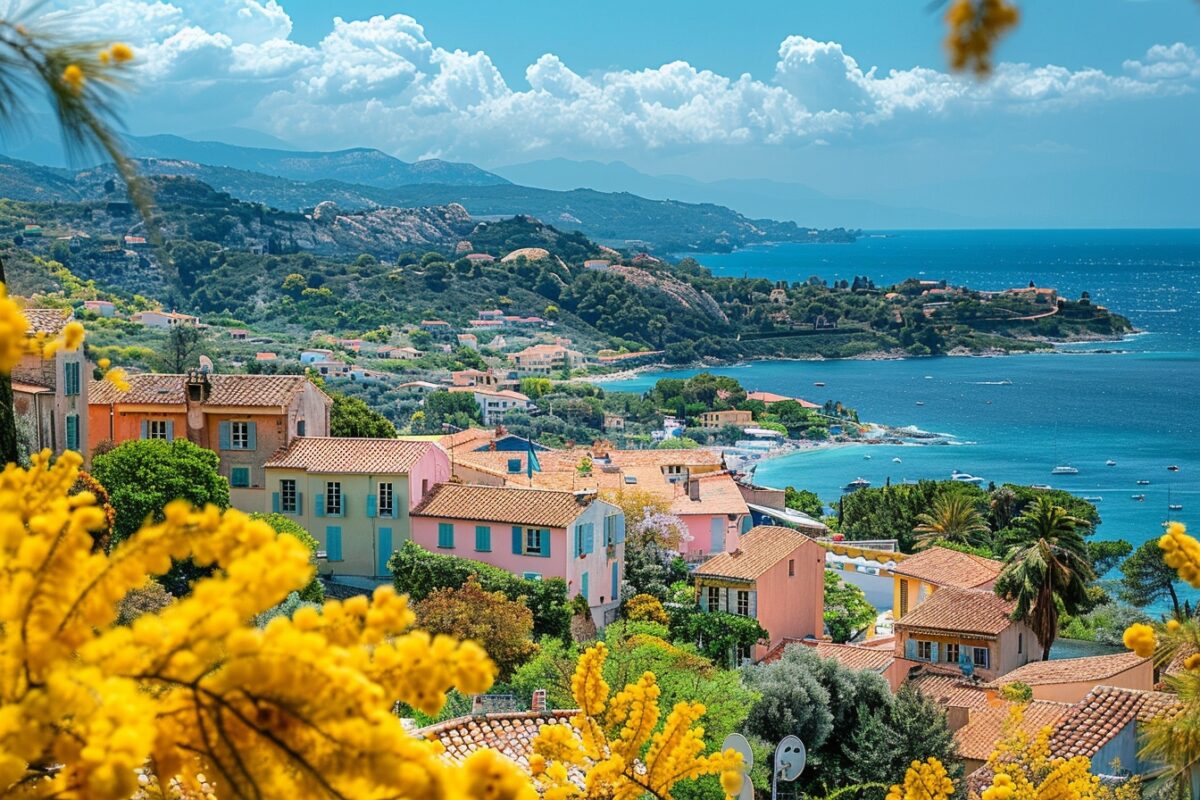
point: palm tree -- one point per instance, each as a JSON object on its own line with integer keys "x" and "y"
{"x": 952, "y": 518}
{"x": 1047, "y": 563}
{"x": 1003, "y": 504}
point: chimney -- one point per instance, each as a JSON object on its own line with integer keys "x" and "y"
{"x": 694, "y": 489}
{"x": 957, "y": 717}
{"x": 538, "y": 705}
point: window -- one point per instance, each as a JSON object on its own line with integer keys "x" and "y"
{"x": 71, "y": 378}
{"x": 924, "y": 650}
{"x": 333, "y": 499}
{"x": 903, "y": 597}
{"x": 446, "y": 535}
{"x": 483, "y": 539}
{"x": 1020, "y": 643}
{"x": 744, "y": 653}
{"x": 239, "y": 436}
{"x": 387, "y": 505}
{"x": 531, "y": 576}
{"x": 533, "y": 541}
{"x": 156, "y": 429}
{"x": 300, "y": 427}
{"x": 288, "y": 501}
{"x": 791, "y": 567}
{"x": 514, "y": 465}
{"x": 952, "y": 652}
{"x": 239, "y": 477}
{"x": 743, "y": 603}
{"x": 980, "y": 657}
{"x": 72, "y": 423}
{"x": 714, "y": 598}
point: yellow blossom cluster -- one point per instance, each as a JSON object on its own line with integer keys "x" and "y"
{"x": 618, "y": 747}
{"x": 1182, "y": 553}
{"x": 924, "y": 780}
{"x": 301, "y": 708}
{"x": 975, "y": 27}
{"x": 1140, "y": 638}
{"x": 75, "y": 77}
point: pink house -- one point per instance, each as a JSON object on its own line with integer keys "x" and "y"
{"x": 777, "y": 576}
{"x": 534, "y": 533}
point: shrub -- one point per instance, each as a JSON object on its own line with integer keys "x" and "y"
{"x": 645, "y": 608}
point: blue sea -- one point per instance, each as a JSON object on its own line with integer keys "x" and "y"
{"x": 1138, "y": 403}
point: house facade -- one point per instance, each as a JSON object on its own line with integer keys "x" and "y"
{"x": 354, "y": 495}
{"x": 918, "y": 576}
{"x": 719, "y": 419}
{"x": 164, "y": 319}
{"x": 534, "y": 533}
{"x": 777, "y": 576}
{"x": 51, "y": 394}
{"x": 243, "y": 418}
{"x": 495, "y": 403}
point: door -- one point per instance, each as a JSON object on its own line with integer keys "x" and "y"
{"x": 384, "y": 551}
{"x": 718, "y": 535}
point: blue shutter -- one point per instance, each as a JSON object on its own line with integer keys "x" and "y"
{"x": 589, "y": 537}
{"x": 583, "y": 587}
{"x": 333, "y": 542}
{"x": 517, "y": 543}
{"x": 619, "y": 526}
{"x": 170, "y": 430}
{"x": 703, "y": 596}
{"x": 616, "y": 580}
{"x": 72, "y": 421}
{"x": 251, "y": 435}
{"x": 385, "y": 551}
{"x": 446, "y": 535}
{"x": 910, "y": 649}
{"x": 483, "y": 539}
{"x": 223, "y": 435}
{"x": 275, "y": 502}
{"x": 299, "y": 504}
{"x": 145, "y": 429}
{"x": 371, "y": 504}
{"x": 545, "y": 543}
{"x": 319, "y": 504}
{"x": 933, "y": 652}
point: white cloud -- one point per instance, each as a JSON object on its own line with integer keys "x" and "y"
{"x": 382, "y": 81}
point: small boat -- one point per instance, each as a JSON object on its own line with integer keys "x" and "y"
{"x": 1041, "y": 487}
{"x": 1093, "y": 498}
{"x": 1143, "y": 482}
{"x": 965, "y": 477}
{"x": 920, "y": 402}
{"x": 856, "y": 484}
{"x": 928, "y": 377}
{"x": 1110, "y": 463}
{"x": 896, "y": 460}
{"x": 1138, "y": 497}
{"x": 1175, "y": 507}
{"x": 866, "y": 458}
{"x": 1064, "y": 469}
{"x": 1173, "y": 468}
{"x": 818, "y": 383}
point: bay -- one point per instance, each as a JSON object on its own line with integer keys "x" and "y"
{"x": 1015, "y": 417}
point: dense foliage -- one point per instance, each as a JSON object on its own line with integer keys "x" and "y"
{"x": 716, "y": 634}
{"x": 350, "y": 416}
{"x": 847, "y": 611}
{"x": 504, "y": 627}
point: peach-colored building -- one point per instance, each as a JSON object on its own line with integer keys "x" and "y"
{"x": 719, "y": 419}
{"x": 918, "y": 576}
{"x": 244, "y": 418}
{"x": 1069, "y": 680}
{"x": 535, "y": 533}
{"x": 777, "y": 576}
{"x": 354, "y": 495}
{"x": 51, "y": 394}
{"x": 971, "y": 629}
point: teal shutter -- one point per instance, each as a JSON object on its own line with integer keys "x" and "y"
{"x": 483, "y": 539}
{"x": 616, "y": 580}
{"x": 910, "y": 649}
{"x": 385, "y": 551}
{"x": 275, "y": 502}
{"x": 703, "y": 597}
{"x": 170, "y": 430}
{"x": 576, "y": 541}
{"x": 319, "y": 504}
{"x": 446, "y": 535}
{"x": 145, "y": 429}
{"x": 333, "y": 542}
{"x": 933, "y": 652}
{"x": 251, "y": 435}
{"x": 371, "y": 503}
{"x": 72, "y": 421}
{"x": 222, "y": 435}
{"x": 299, "y": 504}
{"x": 589, "y": 537}
{"x": 545, "y": 543}
{"x": 517, "y": 543}
{"x": 583, "y": 587}
{"x": 71, "y": 378}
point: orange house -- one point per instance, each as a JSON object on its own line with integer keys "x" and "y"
{"x": 243, "y": 418}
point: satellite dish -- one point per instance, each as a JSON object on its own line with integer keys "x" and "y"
{"x": 206, "y": 365}
{"x": 789, "y": 758}
{"x": 738, "y": 743}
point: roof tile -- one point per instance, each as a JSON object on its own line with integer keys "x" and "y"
{"x": 345, "y": 455}
{"x": 942, "y": 566}
{"x": 760, "y": 549}
{"x": 508, "y": 504}
{"x": 1072, "y": 670}
{"x": 1099, "y": 717}
{"x": 977, "y": 611}
{"x": 226, "y": 390}
{"x": 978, "y": 738}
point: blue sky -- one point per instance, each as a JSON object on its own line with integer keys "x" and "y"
{"x": 1090, "y": 118}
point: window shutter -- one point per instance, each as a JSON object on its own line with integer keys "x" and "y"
{"x": 583, "y": 587}
{"x": 333, "y": 542}
{"x": 319, "y": 504}
{"x": 545, "y": 543}
{"x": 754, "y": 603}
{"x": 703, "y": 597}
{"x": 72, "y": 432}
{"x": 251, "y": 435}
{"x": 616, "y": 580}
{"x": 299, "y": 503}
{"x": 371, "y": 504}
{"x": 385, "y": 551}
{"x": 589, "y": 537}
{"x": 724, "y": 601}
{"x": 145, "y": 429}
{"x": 619, "y": 528}
{"x": 933, "y": 652}
{"x": 910, "y": 649}
{"x": 517, "y": 548}
{"x": 483, "y": 538}
{"x": 275, "y": 502}
{"x": 576, "y": 541}
{"x": 223, "y": 436}
{"x": 170, "y": 430}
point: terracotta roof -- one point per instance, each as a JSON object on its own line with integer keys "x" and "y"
{"x": 977, "y": 739}
{"x": 227, "y": 390}
{"x": 349, "y": 456}
{"x": 719, "y": 494}
{"x": 950, "y": 688}
{"x": 502, "y": 504}
{"x": 1099, "y": 717}
{"x": 512, "y": 734}
{"x": 30, "y": 388}
{"x": 47, "y": 320}
{"x": 1072, "y": 670}
{"x": 977, "y": 611}
{"x": 771, "y": 397}
{"x": 855, "y": 657}
{"x": 662, "y": 458}
{"x": 466, "y": 438}
{"x": 942, "y": 566}
{"x": 761, "y": 548}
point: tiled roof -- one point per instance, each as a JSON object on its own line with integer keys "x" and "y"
{"x": 502, "y": 504}
{"x": 761, "y": 548}
{"x": 950, "y": 688}
{"x": 662, "y": 458}
{"x": 1072, "y": 670}
{"x": 855, "y": 657}
{"x": 344, "y": 455}
{"x": 977, "y": 611}
{"x": 942, "y": 566}
{"x": 47, "y": 320}
{"x": 1099, "y": 717}
{"x": 511, "y": 734}
{"x": 466, "y": 438}
{"x": 771, "y": 397}
{"x": 977, "y": 739}
{"x": 226, "y": 390}
{"x": 719, "y": 494}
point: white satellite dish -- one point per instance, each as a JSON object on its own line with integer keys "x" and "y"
{"x": 738, "y": 743}
{"x": 789, "y": 758}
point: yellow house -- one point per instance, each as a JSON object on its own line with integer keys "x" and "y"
{"x": 918, "y": 576}
{"x": 719, "y": 419}
{"x": 354, "y": 495}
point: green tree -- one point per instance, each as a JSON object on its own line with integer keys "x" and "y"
{"x": 1106, "y": 554}
{"x": 804, "y": 501}
{"x": 846, "y": 608}
{"x": 1047, "y": 565}
{"x": 315, "y": 591}
{"x": 351, "y": 416}
{"x": 911, "y": 727}
{"x": 458, "y": 409}
{"x": 1147, "y": 579}
{"x": 181, "y": 350}
{"x": 294, "y": 284}
{"x": 953, "y": 518}
{"x": 502, "y": 626}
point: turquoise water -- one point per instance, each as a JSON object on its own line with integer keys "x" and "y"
{"x": 1137, "y": 406}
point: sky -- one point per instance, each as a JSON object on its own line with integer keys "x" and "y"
{"x": 1089, "y": 118}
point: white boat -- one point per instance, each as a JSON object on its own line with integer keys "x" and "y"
{"x": 866, "y": 458}
{"x": 1138, "y": 497}
{"x": 1173, "y": 468}
{"x": 1064, "y": 469}
{"x": 1094, "y": 498}
{"x": 1175, "y": 507}
{"x": 896, "y": 460}
{"x": 1110, "y": 463}
{"x": 856, "y": 484}
{"x": 818, "y": 383}
{"x": 965, "y": 477}
{"x": 1143, "y": 482}
{"x": 1041, "y": 487}
{"x": 928, "y": 377}
{"x": 920, "y": 402}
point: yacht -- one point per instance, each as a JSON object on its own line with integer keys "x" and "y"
{"x": 1138, "y": 497}
{"x": 856, "y": 484}
{"x": 1175, "y": 507}
{"x": 896, "y": 460}
{"x": 1064, "y": 469}
{"x": 1173, "y": 468}
{"x": 965, "y": 477}
{"x": 1143, "y": 482}
{"x": 920, "y": 402}
{"x": 818, "y": 383}
{"x": 1110, "y": 463}
{"x": 866, "y": 458}
{"x": 1095, "y": 498}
